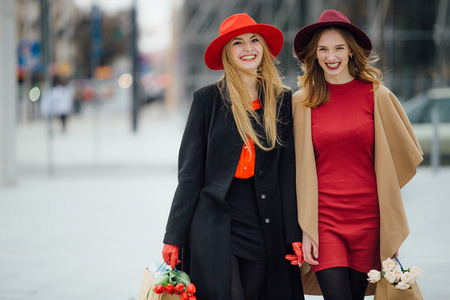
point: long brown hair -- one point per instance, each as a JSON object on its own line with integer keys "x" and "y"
{"x": 269, "y": 84}
{"x": 313, "y": 79}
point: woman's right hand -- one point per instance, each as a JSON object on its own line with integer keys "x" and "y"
{"x": 170, "y": 255}
{"x": 310, "y": 250}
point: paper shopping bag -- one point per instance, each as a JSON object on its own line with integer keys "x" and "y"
{"x": 146, "y": 289}
{"x": 387, "y": 291}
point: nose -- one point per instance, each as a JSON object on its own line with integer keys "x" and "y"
{"x": 247, "y": 47}
{"x": 331, "y": 55}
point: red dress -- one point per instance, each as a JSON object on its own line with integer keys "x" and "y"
{"x": 349, "y": 217}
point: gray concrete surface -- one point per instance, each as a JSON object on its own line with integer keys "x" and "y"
{"x": 89, "y": 231}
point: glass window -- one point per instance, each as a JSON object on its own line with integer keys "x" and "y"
{"x": 443, "y": 108}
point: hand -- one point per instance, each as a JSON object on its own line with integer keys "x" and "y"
{"x": 170, "y": 254}
{"x": 297, "y": 246}
{"x": 310, "y": 250}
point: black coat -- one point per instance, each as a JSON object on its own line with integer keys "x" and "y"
{"x": 200, "y": 218}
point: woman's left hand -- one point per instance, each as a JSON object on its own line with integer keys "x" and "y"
{"x": 297, "y": 246}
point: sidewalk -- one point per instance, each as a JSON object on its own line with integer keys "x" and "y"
{"x": 89, "y": 231}
{"x": 101, "y": 140}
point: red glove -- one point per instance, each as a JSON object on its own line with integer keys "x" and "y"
{"x": 296, "y": 259}
{"x": 170, "y": 254}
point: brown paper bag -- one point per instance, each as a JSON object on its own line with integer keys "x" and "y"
{"x": 147, "y": 283}
{"x": 387, "y": 291}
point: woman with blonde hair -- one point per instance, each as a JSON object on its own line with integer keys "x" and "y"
{"x": 233, "y": 217}
{"x": 355, "y": 149}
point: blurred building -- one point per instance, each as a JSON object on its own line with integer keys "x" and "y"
{"x": 58, "y": 38}
{"x": 31, "y": 47}
{"x": 412, "y": 37}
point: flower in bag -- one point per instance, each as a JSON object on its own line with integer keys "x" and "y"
{"x": 416, "y": 271}
{"x": 374, "y": 276}
{"x": 174, "y": 282}
{"x": 388, "y": 265}
{"x": 170, "y": 288}
{"x": 184, "y": 295}
{"x": 190, "y": 288}
{"x": 390, "y": 277}
{"x": 159, "y": 288}
{"x": 402, "y": 286}
{"x": 179, "y": 288}
{"x": 401, "y": 278}
{"x": 408, "y": 278}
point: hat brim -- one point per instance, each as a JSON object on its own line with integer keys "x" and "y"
{"x": 271, "y": 34}
{"x": 305, "y": 34}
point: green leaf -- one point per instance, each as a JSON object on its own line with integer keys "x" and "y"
{"x": 173, "y": 277}
{"x": 184, "y": 277}
{"x": 162, "y": 279}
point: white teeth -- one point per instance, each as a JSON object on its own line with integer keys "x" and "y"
{"x": 248, "y": 57}
{"x": 333, "y": 65}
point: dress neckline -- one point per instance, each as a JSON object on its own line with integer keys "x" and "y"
{"x": 345, "y": 86}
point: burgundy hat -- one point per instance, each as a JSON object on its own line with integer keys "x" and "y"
{"x": 329, "y": 18}
{"x": 236, "y": 25}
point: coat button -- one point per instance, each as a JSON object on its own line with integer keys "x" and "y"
{"x": 263, "y": 196}
{"x": 267, "y": 221}
{"x": 260, "y": 173}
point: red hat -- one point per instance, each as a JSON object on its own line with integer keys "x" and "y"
{"x": 236, "y": 25}
{"x": 329, "y": 18}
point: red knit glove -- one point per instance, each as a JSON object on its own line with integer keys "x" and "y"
{"x": 296, "y": 259}
{"x": 170, "y": 254}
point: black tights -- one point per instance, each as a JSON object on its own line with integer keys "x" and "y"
{"x": 342, "y": 284}
{"x": 247, "y": 279}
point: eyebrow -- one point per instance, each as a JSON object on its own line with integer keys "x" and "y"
{"x": 238, "y": 38}
{"x": 340, "y": 45}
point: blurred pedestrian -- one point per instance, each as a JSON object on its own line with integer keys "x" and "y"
{"x": 234, "y": 211}
{"x": 355, "y": 149}
{"x": 59, "y": 102}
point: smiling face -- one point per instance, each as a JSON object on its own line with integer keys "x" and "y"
{"x": 333, "y": 54}
{"x": 247, "y": 51}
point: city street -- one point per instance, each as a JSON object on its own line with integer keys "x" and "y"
{"x": 84, "y": 224}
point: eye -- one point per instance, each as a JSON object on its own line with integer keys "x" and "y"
{"x": 236, "y": 43}
{"x": 255, "y": 40}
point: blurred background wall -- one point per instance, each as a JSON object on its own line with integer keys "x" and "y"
{"x": 124, "y": 55}
{"x": 411, "y": 36}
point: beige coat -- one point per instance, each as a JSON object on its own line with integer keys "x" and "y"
{"x": 397, "y": 154}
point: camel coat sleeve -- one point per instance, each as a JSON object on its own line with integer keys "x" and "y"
{"x": 397, "y": 154}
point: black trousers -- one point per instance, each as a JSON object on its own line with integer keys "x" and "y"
{"x": 247, "y": 279}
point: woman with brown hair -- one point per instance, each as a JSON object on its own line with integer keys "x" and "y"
{"x": 234, "y": 212}
{"x": 355, "y": 149}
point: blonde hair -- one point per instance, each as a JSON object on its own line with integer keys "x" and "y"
{"x": 269, "y": 84}
{"x": 359, "y": 66}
